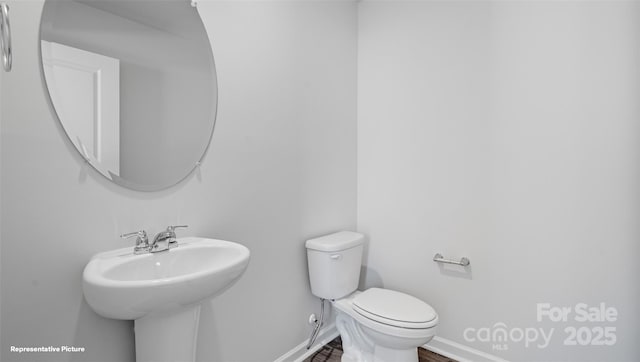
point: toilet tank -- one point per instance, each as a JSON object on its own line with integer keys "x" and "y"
{"x": 334, "y": 264}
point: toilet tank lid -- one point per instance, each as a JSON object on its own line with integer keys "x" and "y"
{"x": 341, "y": 240}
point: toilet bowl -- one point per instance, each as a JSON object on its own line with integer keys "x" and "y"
{"x": 376, "y": 325}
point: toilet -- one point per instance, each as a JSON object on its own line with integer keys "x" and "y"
{"x": 376, "y": 325}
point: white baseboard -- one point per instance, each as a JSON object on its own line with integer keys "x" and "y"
{"x": 300, "y": 352}
{"x": 459, "y": 352}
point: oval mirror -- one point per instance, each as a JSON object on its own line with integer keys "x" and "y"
{"x": 133, "y": 84}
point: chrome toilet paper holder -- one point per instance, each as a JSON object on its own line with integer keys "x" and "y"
{"x": 464, "y": 261}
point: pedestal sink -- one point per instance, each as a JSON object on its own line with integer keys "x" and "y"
{"x": 162, "y": 291}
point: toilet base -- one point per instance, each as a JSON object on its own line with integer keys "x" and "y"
{"x": 383, "y": 354}
{"x": 359, "y": 347}
{"x": 362, "y": 344}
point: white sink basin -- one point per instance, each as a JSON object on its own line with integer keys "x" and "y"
{"x": 118, "y": 284}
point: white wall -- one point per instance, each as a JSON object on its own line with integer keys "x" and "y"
{"x": 507, "y": 132}
{"x": 281, "y": 169}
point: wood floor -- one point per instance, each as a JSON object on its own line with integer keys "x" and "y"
{"x": 332, "y": 352}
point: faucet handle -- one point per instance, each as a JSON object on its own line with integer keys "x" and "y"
{"x": 142, "y": 241}
{"x": 140, "y": 234}
{"x": 174, "y": 227}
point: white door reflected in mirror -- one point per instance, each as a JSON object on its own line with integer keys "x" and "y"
{"x": 85, "y": 87}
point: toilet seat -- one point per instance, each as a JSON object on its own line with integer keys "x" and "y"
{"x": 394, "y": 309}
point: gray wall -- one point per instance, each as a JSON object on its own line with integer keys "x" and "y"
{"x": 507, "y": 132}
{"x": 281, "y": 169}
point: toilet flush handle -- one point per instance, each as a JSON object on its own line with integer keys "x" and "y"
{"x": 336, "y": 256}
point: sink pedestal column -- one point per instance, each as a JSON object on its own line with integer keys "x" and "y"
{"x": 168, "y": 336}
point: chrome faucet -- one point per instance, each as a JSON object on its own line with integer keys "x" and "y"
{"x": 165, "y": 240}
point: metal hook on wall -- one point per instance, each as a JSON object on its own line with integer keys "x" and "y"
{"x": 5, "y": 37}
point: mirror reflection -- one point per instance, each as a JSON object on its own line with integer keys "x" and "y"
{"x": 133, "y": 84}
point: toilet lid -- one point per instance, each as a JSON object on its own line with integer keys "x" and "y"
{"x": 394, "y": 308}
